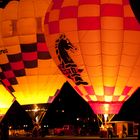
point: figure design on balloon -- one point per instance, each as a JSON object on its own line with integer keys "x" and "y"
{"x": 107, "y": 37}
{"x": 67, "y": 65}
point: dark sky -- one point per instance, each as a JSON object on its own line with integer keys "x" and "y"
{"x": 3, "y": 3}
{"x": 131, "y": 108}
{"x": 74, "y": 106}
{"x": 16, "y": 115}
{"x": 68, "y": 106}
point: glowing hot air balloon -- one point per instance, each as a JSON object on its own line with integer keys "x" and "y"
{"x": 6, "y": 99}
{"x": 96, "y": 45}
{"x": 28, "y": 71}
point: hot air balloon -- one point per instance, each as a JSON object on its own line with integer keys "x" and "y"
{"x": 6, "y": 99}
{"x": 27, "y": 70}
{"x": 96, "y": 45}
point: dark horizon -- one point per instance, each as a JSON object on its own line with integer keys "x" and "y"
{"x": 68, "y": 105}
{"x": 128, "y": 112}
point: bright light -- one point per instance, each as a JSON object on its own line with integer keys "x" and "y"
{"x": 105, "y": 117}
{"x": 25, "y": 125}
{"x": 46, "y": 125}
{"x": 77, "y": 119}
{"x": 37, "y": 119}
{"x": 35, "y": 108}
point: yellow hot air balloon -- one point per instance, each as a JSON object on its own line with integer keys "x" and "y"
{"x": 6, "y": 98}
{"x": 28, "y": 71}
{"x": 96, "y": 45}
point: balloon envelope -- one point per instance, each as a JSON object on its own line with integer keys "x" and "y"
{"x": 28, "y": 72}
{"x": 6, "y": 99}
{"x": 96, "y": 45}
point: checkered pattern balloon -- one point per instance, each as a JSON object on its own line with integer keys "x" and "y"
{"x": 28, "y": 72}
{"x": 95, "y": 44}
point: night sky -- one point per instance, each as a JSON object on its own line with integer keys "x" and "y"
{"x": 74, "y": 106}
{"x": 67, "y": 107}
{"x": 131, "y": 108}
{"x": 3, "y": 3}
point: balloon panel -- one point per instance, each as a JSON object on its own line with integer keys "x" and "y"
{"x": 6, "y": 100}
{"x": 97, "y": 50}
{"x": 27, "y": 68}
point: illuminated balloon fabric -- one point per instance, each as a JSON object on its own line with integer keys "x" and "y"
{"x": 6, "y": 99}
{"x": 27, "y": 68}
{"x": 95, "y": 43}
